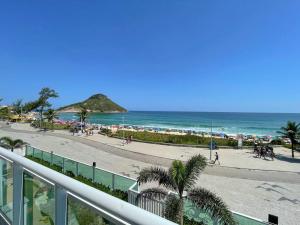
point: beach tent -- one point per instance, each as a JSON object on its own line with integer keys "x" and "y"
{"x": 14, "y": 118}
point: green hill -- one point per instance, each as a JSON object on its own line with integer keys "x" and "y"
{"x": 95, "y": 103}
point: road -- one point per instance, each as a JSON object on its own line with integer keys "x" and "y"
{"x": 240, "y": 173}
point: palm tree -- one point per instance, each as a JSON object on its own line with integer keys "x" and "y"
{"x": 83, "y": 115}
{"x": 11, "y": 143}
{"x": 181, "y": 178}
{"x": 17, "y": 107}
{"x": 50, "y": 116}
{"x": 42, "y": 102}
{"x": 291, "y": 131}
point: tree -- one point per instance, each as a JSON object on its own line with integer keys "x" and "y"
{"x": 291, "y": 131}
{"x": 42, "y": 102}
{"x": 30, "y": 106}
{"x": 181, "y": 178}
{"x": 50, "y": 116}
{"x": 4, "y": 112}
{"x": 11, "y": 144}
{"x": 17, "y": 107}
{"x": 83, "y": 115}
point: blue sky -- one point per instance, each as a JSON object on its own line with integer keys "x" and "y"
{"x": 155, "y": 55}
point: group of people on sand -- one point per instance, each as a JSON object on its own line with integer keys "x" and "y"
{"x": 263, "y": 151}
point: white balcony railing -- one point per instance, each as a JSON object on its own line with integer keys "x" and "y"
{"x": 30, "y": 193}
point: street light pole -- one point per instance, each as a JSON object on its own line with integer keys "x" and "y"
{"x": 123, "y": 130}
{"x": 81, "y": 124}
{"x": 211, "y": 139}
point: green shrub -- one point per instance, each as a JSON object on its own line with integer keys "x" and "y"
{"x": 276, "y": 142}
{"x": 50, "y": 126}
{"x": 188, "y": 139}
{"x": 116, "y": 193}
{"x": 45, "y": 163}
{"x": 105, "y": 131}
{"x": 188, "y": 221}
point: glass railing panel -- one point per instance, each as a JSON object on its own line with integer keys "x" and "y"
{"x": 58, "y": 162}
{"x": 136, "y": 187}
{"x": 103, "y": 177}
{"x": 6, "y": 189}
{"x": 37, "y": 153}
{"x": 242, "y": 220}
{"x": 85, "y": 171}
{"x": 47, "y": 157}
{"x": 82, "y": 214}
{"x": 29, "y": 151}
{"x": 193, "y": 212}
{"x": 123, "y": 183}
{"x": 39, "y": 201}
{"x": 70, "y": 167}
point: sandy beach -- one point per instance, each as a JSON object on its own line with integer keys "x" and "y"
{"x": 249, "y": 185}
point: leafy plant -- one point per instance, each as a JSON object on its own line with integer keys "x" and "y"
{"x": 188, "y": 139}
{"x": 43, "y": 101}
{"x": 4, "y": 113}
{"x": 17, "y": 107}
{"x": 50, "y": 116}
{"x": 83, "y": 115}
{"x": 116, "y": 193}
{"x": 291, "y": 131}
{"x": 11, "y": 144}
{"x": 53, "y": 126}
{"x": 105, "y": 131}
{"x": 181, "y": 178}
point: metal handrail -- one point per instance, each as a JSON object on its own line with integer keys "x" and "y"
{"x": 109, "y": 205}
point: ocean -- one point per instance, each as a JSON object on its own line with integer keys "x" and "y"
{"x": 259, "y": 124}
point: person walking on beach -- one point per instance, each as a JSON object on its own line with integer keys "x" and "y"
{"x": 217, "y": 158}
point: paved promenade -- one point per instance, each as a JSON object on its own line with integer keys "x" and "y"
{"x": 251, "y": 191}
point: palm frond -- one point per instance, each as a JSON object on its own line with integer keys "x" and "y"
{"x": 155, "y": 174}
{"x": 213, "y": 205}
{"x": 6, "y": 141}
{"x": 177, "y": 173}
{"x": 83, "y": 114}
{"x": 154, "y": 193}
{"x": 172, "y": 208}
{"x": 10, "y": 143}
{"x": 18, "y": 143}
{"x": 283, "y": 132}
{"x": 193, "y": 168}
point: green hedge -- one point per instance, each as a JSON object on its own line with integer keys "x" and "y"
{"x": 50, "y": 126}
{"x": 116, "y": 193}
{"x": 178, "y": 139}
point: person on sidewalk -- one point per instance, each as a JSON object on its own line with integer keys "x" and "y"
{"x": 217, "y": 158}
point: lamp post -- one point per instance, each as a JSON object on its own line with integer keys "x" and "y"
{"x": 123, "y": 130}
{"x": 211, "y": 139}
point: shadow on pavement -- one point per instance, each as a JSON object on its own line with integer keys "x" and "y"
{"x": 287, "y": 159}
